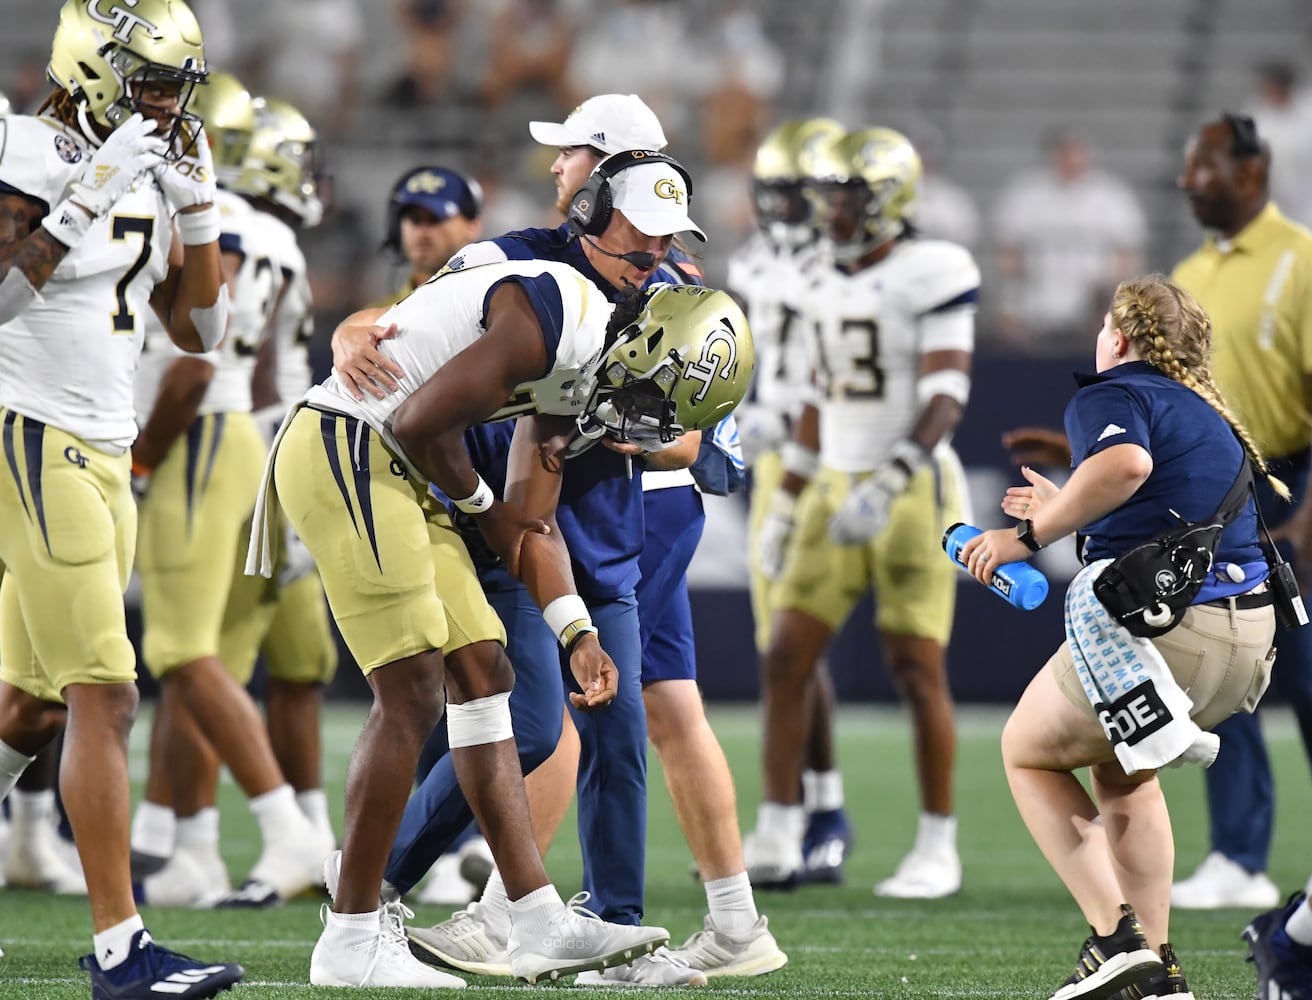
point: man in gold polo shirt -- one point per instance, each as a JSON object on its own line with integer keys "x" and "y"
{"x": 1253, "y": 275}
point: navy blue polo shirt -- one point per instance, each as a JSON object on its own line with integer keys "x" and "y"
{"x": 1196, "y": 458}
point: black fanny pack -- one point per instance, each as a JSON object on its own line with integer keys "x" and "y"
{"x": 1149, "y": 588}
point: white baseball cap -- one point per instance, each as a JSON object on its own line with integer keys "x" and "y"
{"x": 654, "y": 197}
{"x": 610, "y": 122}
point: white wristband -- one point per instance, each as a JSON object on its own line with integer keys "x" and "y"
{"x": 67, "y": 222}
{"x": 800, "y": 460}
{"x": 198, "y": 228}
{"x": 479, "y": 501}
{"x": 568, "y": 618}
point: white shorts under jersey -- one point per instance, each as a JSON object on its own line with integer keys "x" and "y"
{"x": 765, "y": 277}
{"x": 70, "y": 358}
{"x": 442, "y": 317}
{"x": 248, "y": 234}
{"x": 867, "y": 332}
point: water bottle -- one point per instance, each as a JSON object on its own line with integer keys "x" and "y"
{"x": 1018, "y": 583}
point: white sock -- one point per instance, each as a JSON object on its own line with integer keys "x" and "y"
{"x": 111, "y": 945}
{"x": 1299, "y": 924}
{"x": 494, "y": 908}
{"x": 732, "y": 905}
{"x": 279, "y": 816}
{"x": 314, "y": 803}
{"x": 351, "y": 925}
{"x": 778, "y": 819}
{"x": 822, "y": 791}
{"x": 533, "y": 912}
{"x": 936, "y": 831}
{"x": 154, "y": 829}
{"x": 12, "y": 765}
{"x": 31, "y": 812}
{"x": 201, "y": 830}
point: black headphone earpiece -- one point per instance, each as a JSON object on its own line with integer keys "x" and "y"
{"x": 591, "y": 207}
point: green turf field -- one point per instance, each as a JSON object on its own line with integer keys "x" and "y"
{"x": 1012, "y": 932}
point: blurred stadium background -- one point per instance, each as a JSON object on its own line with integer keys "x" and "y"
{"x": 983, "y": 87}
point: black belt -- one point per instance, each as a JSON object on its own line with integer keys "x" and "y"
{"x": 1243, "y": 602}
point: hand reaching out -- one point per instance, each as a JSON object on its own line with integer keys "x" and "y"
{"x": 1023, "y": 502}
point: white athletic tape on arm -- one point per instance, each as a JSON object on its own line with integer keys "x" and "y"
{"x": 950, "y": 382}
{"x": 483, "y": 720}
{"x": 68, "y": 222}
{"x": 16, "y": 294}
{"x": 478, "y": 502}
{"x": 212, "y": 321}
{"x": 800, "y": 460}
{"x": 568, "y": 618}
{"x": 198, "y": 228}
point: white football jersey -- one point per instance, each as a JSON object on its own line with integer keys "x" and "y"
{"x": 866, "y": 337}
{"x": 767, "y": 278}
{"x": 293, "y": 323}
{"x": 445, "y": 315}
{"x": 69, "y": 359}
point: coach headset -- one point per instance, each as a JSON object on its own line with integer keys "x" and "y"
{"x": 592, "y": 206}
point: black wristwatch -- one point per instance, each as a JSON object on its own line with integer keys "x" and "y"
{"x": 1025, "y": 532}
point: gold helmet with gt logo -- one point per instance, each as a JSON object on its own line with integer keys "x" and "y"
{"x": 283, "y": 162}
{"x": 228, "y": 111}
{"x": 104, "y": 51}
{"x": 869, "y": 181}
{"x": 778, "y": 177}
{"x": 682, "y": 363}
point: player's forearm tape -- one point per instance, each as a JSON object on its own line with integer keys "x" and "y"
{"x": 800, "y": 460}
{"x": 948, "y": 382}
{"x": 479, "y": 501}
{"x": 911, "y": 455}
{"x": 483, "y": 720}
{"x": 198, "y": 228}
{"x": 68, "y": 222}
{"x": 16, "y": 294}
{"x": 211, "y": 323}
{"x": 568, "y": 617}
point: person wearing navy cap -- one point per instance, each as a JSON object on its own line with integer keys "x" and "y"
{"x": 432, "y": 213}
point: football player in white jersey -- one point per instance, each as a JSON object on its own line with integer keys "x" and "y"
{"x": 106, "y": 212}
{"x": 891, "y": 324}
{"x": 193, "y": 467}
{"x": 763, "y": 273}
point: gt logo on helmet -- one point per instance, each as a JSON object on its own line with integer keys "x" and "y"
{"x": 123, "y": 21}
{"x": 719, "y": 358}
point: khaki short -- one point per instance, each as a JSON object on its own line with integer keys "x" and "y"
{"x": 1221, "y": 659}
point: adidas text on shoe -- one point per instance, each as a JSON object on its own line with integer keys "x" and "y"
{"x": 461, "y": 942}
{"x": 1107, "y": 964}
{"x": 578, "y": 940}
{"x": 152, "y": 973}
{"x": 661, "y": 968}
{"x": 718, "y": 953}
{"x": 1167, "y": 983}
{"x": 1284, "y": 967}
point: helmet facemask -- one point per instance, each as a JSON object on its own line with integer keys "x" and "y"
{"x": 784, "y": 212}
{"x": 638, "y": 407}
{"x": 180, "y": 127}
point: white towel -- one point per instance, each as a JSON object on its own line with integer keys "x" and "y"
{"x": 1142, "y": 709}
{"x": 259, "y": 551}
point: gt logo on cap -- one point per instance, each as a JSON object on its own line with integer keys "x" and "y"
{"x": 666, "y": 188}
{"x": 426, "y": 183}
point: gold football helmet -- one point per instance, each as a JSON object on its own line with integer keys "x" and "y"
{"x": 228, "y": 111}
{"x": 782, "y": 208}
{"x": 683, "y": 364}
{"x": 104, "y": 50}
{"x": 283, "y": 162}
{"x": 870, "y": 180}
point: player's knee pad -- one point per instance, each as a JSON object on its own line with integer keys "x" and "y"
{"x": 482, "y": 720}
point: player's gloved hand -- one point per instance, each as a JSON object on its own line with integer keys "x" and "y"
{"x": 595, "y": 672}
{"x": 864, "y": 513}
{"x": 776, "y": 532}
{"x": 188, "y": 182}
{"x": 760, "y": 429}
{"x": 129, "y": 151}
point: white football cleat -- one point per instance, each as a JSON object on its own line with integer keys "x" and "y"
{"x": 286, "y": 868}
{"x": 445, "y": 885}
{"x": 925, "y": 873}
{"x": 476, "y": 863}
{"x": 181, "y": 882}
{"x": 718, "y": 953}
{"x": 661, "y": 968}
{"x": 463, "y": 942}
{"x": 577, "y": 940}
{"x": 773, "y": 859}
{"x": 350, "y": 956}
{"x": 1219, "y": 882}
{"x": 32, "y": 861}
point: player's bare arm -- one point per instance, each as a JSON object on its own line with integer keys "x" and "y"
{"x": 941, "y": 413}
{"x": 25, "y": 246}
{"x": 806, "y": 436}
{"x": 181, "y": 391}
{"x": 191, "y": 286}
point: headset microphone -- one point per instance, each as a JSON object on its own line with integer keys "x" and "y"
{"x": 642, "y": 261}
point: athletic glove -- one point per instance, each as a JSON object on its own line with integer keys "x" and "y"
{"x": 129, "y": 151}
{"x": 188, "y": 181}
{"x": 760, "y": 429}
{"x": 776, "y": 532}
{"x": 864, "y": 513}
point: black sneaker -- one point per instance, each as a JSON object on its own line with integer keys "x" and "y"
{"x": 1284, "y": 967}
{"x": 1166, "y": 982}
{"x": 1109, "y": 964}
{"x": 151, "y": 973}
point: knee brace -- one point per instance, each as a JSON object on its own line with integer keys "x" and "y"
{"x": 482, "y": 720}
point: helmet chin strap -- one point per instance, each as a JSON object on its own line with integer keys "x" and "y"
{"x": 87, "y": 127}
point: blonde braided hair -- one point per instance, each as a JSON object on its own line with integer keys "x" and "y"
{"x": 61, "y": 106}
{"x": 1172, "y": 333}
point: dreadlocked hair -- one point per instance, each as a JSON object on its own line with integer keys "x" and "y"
{"x": 1172, "y": 333}
{"x": 61, "y": 105}
{"x": 626, "y": 313}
